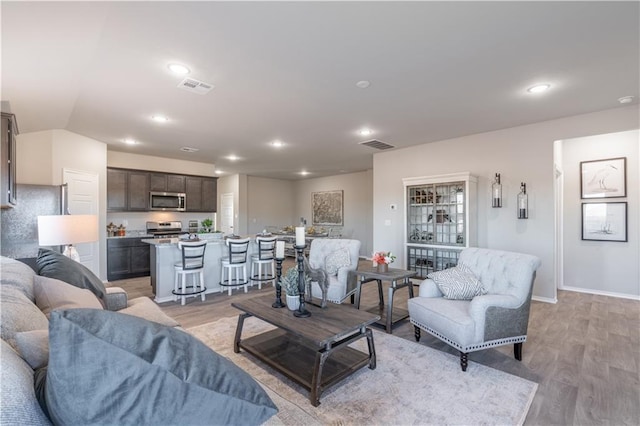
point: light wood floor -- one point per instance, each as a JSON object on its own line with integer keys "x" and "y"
{"x": 584, "y": 351}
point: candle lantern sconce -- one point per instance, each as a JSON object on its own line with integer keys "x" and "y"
{"x": 496, "y": 192}
{"x": 523, "y": 202}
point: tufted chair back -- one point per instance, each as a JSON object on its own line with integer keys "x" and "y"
{"x": 502, "y": 272}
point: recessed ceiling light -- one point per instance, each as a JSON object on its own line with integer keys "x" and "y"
{"x": 539, "y": 88}
{"x": 159, "y": 118}
{"x": 626, "y": 99}
{"x": 129, "y": 141}
{"x": 305, "y": 173}
{"x": 232, "y": 158}
{"x": 178, "y": 69}
{"x": 219, "y": 172}
{"x": 189, "y": 149}
{"x": 363, "y": 84}
{"x": 365, "y": 132}
{"x": 277, "y": 144}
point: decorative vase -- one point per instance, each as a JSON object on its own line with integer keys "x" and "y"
{"x": 382, "y": 267}
{"x": 293, "y": 302}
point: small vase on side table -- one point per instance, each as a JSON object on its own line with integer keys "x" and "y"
{"x": 382, "y": 267}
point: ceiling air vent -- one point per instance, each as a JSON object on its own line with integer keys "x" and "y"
{"x": 195, "y": 86}
{"x": 189, "y": 149}
{"x": 376, "y": 144}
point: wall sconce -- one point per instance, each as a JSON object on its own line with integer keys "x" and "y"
{"x": 496, "y": 192}
{"x": 523, "y": 202}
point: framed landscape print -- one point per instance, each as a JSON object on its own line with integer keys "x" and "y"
{"x": 603, "y": 178}
{"x": 604, "y": 221}
{"x": 327, "y": 208}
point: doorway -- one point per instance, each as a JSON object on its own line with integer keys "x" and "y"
{"x": 226, "y": 213}
{"x": 82, "y": 198}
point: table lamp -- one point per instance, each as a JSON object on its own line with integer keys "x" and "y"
{"x": 67, "y": 230}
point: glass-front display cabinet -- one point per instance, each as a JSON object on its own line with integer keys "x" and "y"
{"x": 440, "y": 220}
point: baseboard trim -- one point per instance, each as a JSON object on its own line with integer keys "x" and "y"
{"x": 545, "y": 299}
{"x": 600, "y": 292}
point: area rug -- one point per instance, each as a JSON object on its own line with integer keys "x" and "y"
{"x": 412, "y": 385}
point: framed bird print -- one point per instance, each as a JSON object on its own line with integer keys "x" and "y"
{"x": 603, "y": 178}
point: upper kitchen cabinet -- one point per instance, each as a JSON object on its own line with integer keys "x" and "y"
{"x": 127, "y": 190}
{"x": 209, "y": 194}
{"x": 164, "y": 182}
{"x": 138, "y": 194}
{"x": 201, "y": 194}
{"x": 8, "y": 158}
{"x": 117, "y": 190}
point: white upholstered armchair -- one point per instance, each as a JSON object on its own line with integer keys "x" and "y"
{"x": 499, "y": 317}
{"x": 337, "y": 257}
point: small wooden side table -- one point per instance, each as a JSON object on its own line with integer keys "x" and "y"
{"x": 399, "y": 278}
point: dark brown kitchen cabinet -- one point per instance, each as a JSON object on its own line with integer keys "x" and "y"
{"x": 8, "y": 196}
{"x": 127, "y": 190}
{"x": 117, "y": 190}
{"x": 209, "y": 194}
{"x": 166, "y": 182}
{"x": 194, "y": 193}
{"x": 138, "y": 193}
{"x": 201, "y": 194}
{"x": 127, "y": 258}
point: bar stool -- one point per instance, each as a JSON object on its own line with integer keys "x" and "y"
{"x": 264, "y": 258}
{"x": 192, "y": 264}
{"x": 234, "y": 263}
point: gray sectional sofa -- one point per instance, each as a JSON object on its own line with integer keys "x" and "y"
{"x": 21, "y": 317}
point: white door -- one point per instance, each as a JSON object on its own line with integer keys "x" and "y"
{"x": 82, "y": 198}
{"x": 226, "y": 213}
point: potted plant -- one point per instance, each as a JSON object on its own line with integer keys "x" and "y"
{"x": 206, "y": 225}
{"x": 289, "y": 283}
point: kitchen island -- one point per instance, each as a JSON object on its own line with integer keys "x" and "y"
{"x": 164, "y": 254}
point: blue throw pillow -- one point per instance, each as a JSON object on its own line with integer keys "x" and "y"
{"x": 55, "y": 265}
{"x": 110, "y": 368}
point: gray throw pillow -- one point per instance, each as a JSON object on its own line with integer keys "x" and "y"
{"x": 109, "y": 368}
{"x": 55, "y": 265}
{"x": 458, "y": 283}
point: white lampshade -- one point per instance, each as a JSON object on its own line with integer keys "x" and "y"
{"x": 67, "y": 229}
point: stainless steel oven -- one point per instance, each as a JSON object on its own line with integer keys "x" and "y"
{"x": 168, "y": 201}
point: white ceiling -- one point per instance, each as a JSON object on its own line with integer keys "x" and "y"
{"x": 287, "y": 71}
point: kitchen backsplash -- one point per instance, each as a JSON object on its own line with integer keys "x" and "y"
{"x": 138, "y": 221}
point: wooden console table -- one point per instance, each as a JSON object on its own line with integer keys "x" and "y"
{"x": 313, "y": 351}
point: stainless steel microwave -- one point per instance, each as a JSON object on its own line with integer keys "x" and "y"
{"x": 168, "y": 201}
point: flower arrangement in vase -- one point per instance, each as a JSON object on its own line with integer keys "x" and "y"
{"x": 382, "y": 259}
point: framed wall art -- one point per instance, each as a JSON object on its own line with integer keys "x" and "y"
{"x": 603, "y": 178}
{"x": 327, "y": 208}
{"x": 604, "y": 221}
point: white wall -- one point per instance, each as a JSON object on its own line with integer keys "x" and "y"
{"x": 269, "y": 203}
{"x": 358, "y": 200}
{"x": 602, "y": 267}
{"x": 522, "y": 153}
{"x": 127, "y": 160}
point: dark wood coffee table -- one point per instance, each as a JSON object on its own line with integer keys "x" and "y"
{"x": 313, "y": 351}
